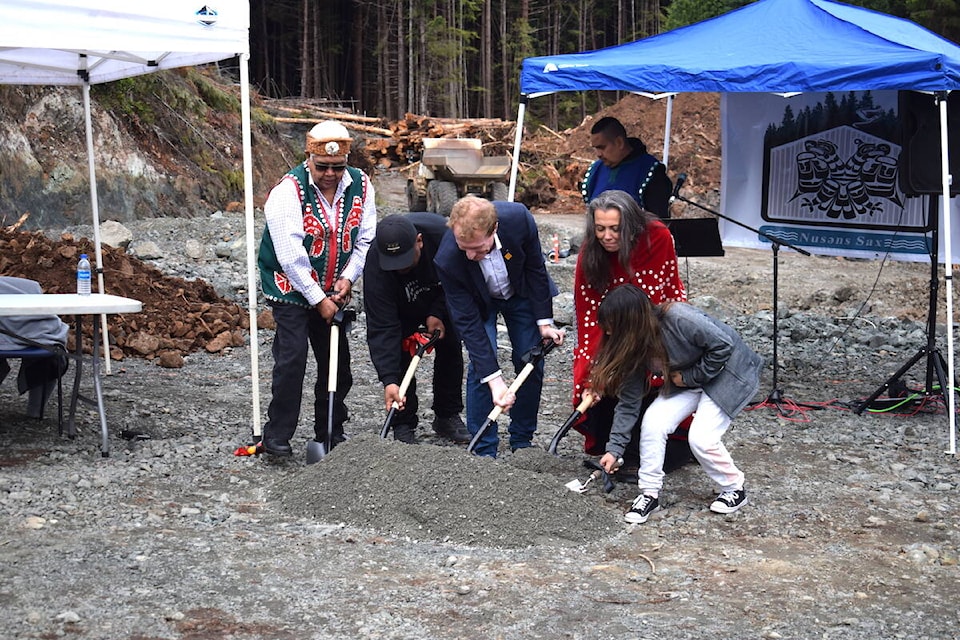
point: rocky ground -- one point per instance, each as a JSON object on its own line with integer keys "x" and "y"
{"x": 852, "y": 531}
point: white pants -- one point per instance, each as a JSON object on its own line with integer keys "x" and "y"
{"x": 709, "y": 424}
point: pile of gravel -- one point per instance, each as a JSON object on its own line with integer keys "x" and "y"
{"x": 438, "y": 493}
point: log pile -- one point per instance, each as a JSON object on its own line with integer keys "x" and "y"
{"x": 308, "y": 114}
{"x": 405, "y": 143}
{"x": 551, "y": 163}
{"x": 399, "y": 143}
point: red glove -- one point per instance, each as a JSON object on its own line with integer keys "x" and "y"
{"x": 413, "y": 342}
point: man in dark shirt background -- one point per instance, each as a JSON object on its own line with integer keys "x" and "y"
{"x": 402, "y": 296}
{"x": 624, "y": 164}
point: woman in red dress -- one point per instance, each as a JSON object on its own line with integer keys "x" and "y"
{"x": 622, "y": 244}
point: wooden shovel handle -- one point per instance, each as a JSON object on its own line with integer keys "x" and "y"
{"x": 584, "y": 404}
{"x": 334, "y": 358}
{"x": 407, "y": 378}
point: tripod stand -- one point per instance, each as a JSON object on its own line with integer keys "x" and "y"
{"x": 776, "y": 398}
{"x": 935, "y": 362}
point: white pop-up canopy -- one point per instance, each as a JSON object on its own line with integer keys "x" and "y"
{"x": 43, "y": 42}
{"x": 84, "y": 42}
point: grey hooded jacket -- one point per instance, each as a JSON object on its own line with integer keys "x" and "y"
{"x": 708, "y": 354}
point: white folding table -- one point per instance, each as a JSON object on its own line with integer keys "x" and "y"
{"x": 42, "y": 304}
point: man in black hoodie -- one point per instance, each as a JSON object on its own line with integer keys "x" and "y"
{"x": 402, "y": 296}
{"x": 624, "y": 164}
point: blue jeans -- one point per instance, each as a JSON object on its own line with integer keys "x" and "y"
{"x": 524, "y": 335}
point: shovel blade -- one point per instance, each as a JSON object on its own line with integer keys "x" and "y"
{"x": 490, "y": 421}
{"x": 581, "y": 487}
{"x": 316, "y": 451}
{"x": 562, "y": 431}
{"x": 249, "y": 450}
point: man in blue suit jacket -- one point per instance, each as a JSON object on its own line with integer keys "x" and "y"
{"x": 491, "y": 264}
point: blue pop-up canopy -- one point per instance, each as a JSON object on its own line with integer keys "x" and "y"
{"x": 774, "y": 46}
{"x": 770, "y": 46}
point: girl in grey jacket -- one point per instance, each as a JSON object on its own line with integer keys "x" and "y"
{"x": 709, "y": 370}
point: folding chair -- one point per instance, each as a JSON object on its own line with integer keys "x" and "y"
{"x": 36, "y": 350}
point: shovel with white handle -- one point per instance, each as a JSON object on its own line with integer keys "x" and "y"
{"x": 597, "y": 473}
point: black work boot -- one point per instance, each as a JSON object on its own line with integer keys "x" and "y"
{"x": 452, "y": 428}
{"x": 405, "y": 433}
{"x": 276, "y": 447}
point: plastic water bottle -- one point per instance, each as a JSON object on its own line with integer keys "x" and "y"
{"x": 83, "y": 275}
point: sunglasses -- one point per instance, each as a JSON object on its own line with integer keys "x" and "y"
{"x": 322, "y": 168}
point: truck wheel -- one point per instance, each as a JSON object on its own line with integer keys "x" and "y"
{"x": 415, "y": 201}
{"x": 441, "y": 196}
{"x": 500, "y": 191}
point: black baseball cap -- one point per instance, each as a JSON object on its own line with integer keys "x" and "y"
{"x": 396, "y": 240}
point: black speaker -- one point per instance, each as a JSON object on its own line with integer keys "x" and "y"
{"x": 920, "y": 158}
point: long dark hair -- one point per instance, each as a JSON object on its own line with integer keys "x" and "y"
{"x": 631, "y": 341}
{"x": 594, "y": 258}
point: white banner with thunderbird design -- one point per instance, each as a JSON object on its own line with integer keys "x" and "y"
{"x": 820, "y": 171}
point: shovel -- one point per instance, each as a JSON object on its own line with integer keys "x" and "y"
{"x": 572, "y": 420}
{"x": 407, "y": 378}
{"x": 532, "y": 357}
{"x": 255, "y": 447}
{"x": 316, "y": 451}
{"x": 597, "y": 473}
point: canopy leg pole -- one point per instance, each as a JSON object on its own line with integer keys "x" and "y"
{"x": 95, "y": 209}
{"x": 667, "y": 126}
{"x": 250, "y": 235}
{"x": 515, "y": 162}
{"x": 948, "y": 270}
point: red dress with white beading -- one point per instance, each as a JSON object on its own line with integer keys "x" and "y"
{"x": 653, "y": 268}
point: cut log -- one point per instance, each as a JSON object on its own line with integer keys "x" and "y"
{"x": 349, "y": 125}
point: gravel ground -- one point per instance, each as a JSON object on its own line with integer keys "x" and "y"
{"x": 852, "y": 530}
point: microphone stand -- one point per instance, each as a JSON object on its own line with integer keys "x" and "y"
{"x": 776, "y": 398}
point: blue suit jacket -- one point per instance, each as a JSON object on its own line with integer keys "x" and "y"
{"x": 468, "y": 299}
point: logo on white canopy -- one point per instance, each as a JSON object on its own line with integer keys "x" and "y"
{"x": 207, "y": 16}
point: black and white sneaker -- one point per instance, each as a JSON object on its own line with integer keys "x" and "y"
{"x": 642, "y": 507}
{"x": 729, "y": 501}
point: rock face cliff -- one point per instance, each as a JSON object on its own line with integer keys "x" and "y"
{"x": 165, "y": 144}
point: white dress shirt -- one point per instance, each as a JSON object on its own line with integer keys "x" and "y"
{"x": 495, "y": 274}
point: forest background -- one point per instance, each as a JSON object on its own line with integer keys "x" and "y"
{"x": 461, "y": 58}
